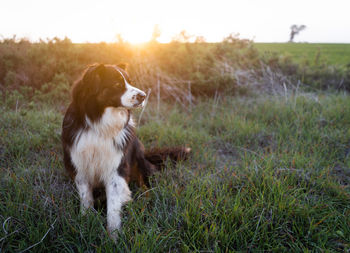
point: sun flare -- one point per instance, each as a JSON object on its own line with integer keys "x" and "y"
{"x": 136, "y": 37}
{"x": 135, "y": 33}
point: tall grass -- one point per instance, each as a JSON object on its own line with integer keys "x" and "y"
{"x": 233, "y": 66}
{"x": 269, "y": 169}
{"x": 268, "y": 173}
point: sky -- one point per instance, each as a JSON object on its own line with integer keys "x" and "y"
{"x": 327, "y": 21}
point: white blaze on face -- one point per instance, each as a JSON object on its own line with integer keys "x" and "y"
{"x": 131, "y": 94}
{"x": 129, "y": 98}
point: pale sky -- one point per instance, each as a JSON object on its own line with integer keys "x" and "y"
{"x": 102, "y": 20}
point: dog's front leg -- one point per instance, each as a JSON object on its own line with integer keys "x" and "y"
{"x": 85, "y": 193}
{"x": 118, "y": 192}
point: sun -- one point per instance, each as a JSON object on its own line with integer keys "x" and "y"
{"x": 136, "y": 34}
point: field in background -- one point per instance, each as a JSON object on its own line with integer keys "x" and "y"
{"x": 332, "y": 54}
{"x": 270, "y": 169}
{"x": 233, "y": 66}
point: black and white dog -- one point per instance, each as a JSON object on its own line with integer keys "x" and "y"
{"x": 99, "y": 143}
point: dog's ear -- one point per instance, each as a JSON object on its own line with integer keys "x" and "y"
{"x": 123, "y": 66}
{"x": 89, "y": 84}
{"x": 100, "y": 69}
{"x": 94, "y": 73}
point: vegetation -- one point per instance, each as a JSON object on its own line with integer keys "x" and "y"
{"x": 269, "y": 170}
{"x": 309, "y": 53}
{"x": 295, "y": 30}
{"x": 233, "y": 66}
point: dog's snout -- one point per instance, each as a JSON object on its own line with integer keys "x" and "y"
{"x": 140, "y": 96}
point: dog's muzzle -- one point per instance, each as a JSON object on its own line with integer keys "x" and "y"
{"x": 140, "y": 97}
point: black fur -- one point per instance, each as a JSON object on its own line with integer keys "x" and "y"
{"x": 102, "y": 86}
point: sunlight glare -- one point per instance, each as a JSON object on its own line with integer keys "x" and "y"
{"x": 136, "y": 35}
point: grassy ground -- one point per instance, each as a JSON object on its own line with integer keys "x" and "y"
{"x": 267, "y": 173}
{"x": 334, "y": 54}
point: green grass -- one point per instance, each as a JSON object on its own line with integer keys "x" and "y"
{"x": 334, "y": 54}
{"x": 267, "y": 173}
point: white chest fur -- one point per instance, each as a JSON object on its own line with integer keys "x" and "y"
{"x": 95, "y": 156}
{"x": 96, "y": 153}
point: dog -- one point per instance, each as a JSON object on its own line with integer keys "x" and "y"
{"x": 100, "y": 147}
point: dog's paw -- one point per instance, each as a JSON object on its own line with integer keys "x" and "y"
{"x": 113, "y": 233}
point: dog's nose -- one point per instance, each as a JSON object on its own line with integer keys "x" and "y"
{"x": 140, "y": 97}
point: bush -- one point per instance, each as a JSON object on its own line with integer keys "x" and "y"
{"x": 178, "y": 71}
{"x": 313, "y": 75}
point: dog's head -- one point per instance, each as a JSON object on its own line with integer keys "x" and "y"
{"x": 104, "y": 86}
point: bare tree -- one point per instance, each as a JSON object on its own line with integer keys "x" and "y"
{"x": 294, "y": 30}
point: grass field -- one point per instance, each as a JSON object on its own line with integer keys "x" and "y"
{"x": 335, "y": 54}
{"x": 268, "y": 173}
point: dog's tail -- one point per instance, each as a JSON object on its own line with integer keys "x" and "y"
{"x": 158, "y": 156}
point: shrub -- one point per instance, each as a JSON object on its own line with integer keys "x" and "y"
{"x": 177, "y": 71}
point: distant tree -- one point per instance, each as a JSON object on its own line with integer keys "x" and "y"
{"x": 156, "y": 33}
{"x": 183, "y": 37}
{"x": 233, "y": 39}
{"x": 119, "y": 38}
{"x": 200, "y": 39}
{"x": 294, "y": 30}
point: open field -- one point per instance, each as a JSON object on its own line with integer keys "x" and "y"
{"x": 267, "y": 173}
{"x": 333, "y": 54}
{"x": 270, "y": 169}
